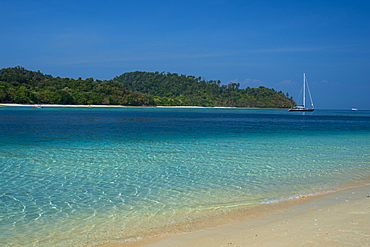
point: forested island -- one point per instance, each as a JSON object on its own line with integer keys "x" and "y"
{"x": 19, "y": 85}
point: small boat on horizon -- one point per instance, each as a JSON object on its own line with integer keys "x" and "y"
{"x": 303, "y": 106}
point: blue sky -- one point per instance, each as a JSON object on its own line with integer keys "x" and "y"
{"x": 256, "y": 43}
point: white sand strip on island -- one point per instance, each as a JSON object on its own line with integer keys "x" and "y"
{"x": 122, "y": 106}
{"x": 337, "y": 219}
{"x": 57, "y": 105}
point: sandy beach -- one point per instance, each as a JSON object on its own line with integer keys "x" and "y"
{"x": 106, "y": 106}
{"x": 57, "y": 105}
{"x": 337, "y": 219}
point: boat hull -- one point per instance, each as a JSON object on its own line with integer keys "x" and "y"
{"x": 301, "y": 109}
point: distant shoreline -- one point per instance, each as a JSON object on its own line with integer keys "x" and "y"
{"x": 119, "y": 106}
{"x": 58, "y": 105}
{"x": 160, "y": 106}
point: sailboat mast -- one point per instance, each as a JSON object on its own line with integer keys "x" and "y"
{"x": 304, "y": 90}
{"x": 303, "y": 106}
{"x": 309, "y": 94}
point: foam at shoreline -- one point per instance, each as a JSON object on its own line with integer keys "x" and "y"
{"x": 332, "y": 219}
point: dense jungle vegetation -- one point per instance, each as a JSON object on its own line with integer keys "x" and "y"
{"x": 18, "y": 85}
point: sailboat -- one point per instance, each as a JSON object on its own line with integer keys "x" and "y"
{"x": 303, "y": 106}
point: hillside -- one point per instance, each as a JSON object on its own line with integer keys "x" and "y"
{"x": 18, "y": 85}
{"x": 174, "y": 89}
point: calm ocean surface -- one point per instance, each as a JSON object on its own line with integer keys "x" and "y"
{"x": 79, "y": 176}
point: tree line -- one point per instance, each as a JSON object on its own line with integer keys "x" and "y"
{"x": 18, "y": 85}
{"x": 173, "y": 89}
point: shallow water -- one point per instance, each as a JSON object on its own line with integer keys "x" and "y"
{"x": 78, "y": 176}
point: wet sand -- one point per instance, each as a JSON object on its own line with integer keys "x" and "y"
{"x": 337, "y": 219}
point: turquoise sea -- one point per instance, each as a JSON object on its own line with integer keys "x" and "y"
{"x": 83, "y": 176}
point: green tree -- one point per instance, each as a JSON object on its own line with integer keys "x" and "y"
{"x": 135, "y": 88}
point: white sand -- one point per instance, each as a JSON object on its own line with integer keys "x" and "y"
{"x": 337, "y": 219}
{"x": 92, "y": 106}
{"x": 56, "y": 105}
